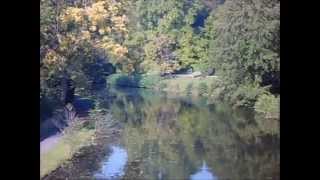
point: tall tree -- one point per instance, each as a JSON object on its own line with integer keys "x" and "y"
{"x": 245, "y": 46}
{"x": 75, "y": 33}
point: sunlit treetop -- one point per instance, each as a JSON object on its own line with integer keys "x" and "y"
{"x": 103, "y": 23}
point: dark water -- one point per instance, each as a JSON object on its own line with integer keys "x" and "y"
{"x": 183, "y": 138}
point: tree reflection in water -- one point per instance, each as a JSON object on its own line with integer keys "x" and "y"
{"x": 171, "y": 137}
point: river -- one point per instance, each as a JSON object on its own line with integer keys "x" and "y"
{"x": 171, "y": 137}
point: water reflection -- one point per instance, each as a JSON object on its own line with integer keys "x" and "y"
{"x": 113, "y": 167}
{"x": 171, "y": 136}
{"x": 203, "y": 173}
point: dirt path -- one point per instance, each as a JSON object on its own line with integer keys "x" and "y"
{"x": 49, "y": 142}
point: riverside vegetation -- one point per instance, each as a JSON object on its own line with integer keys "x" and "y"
{"x": 89, "y": 45}
{"x": 239, "y": 39}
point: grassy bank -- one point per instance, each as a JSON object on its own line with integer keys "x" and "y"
{"x": 188, "y": 86}
{"x": 64, "y": 150}
{"x": 200, "y": 86}
{"x": 262, "y": 102}
{"x": 82, "y": 147}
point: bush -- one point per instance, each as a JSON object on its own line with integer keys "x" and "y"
{"x": 268, "y": 105}
{"x": 162, "y": 86}
{"x": 113, "y": 79}
{"x": 189, "y": 89}
{"x": 203, "y": 89}
{"x": 135, "y": 80}
{"x": 246, "y": 95}
{"x": 149, "y": 81}
{"x": 123, "y": 80}
{"x": 216, "y": 92}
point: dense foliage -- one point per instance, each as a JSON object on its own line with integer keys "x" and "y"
{"x": 240, "y": 39}
{"x": 245, "y": 48}
{"x": 74, "y": 36}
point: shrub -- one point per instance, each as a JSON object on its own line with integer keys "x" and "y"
{"x": 189, "y": 89}
{"x": 203, "y": 89}
{"x": 246, "y": 95}
{"x": 112, "y": 79}
{"x": 149, "y": 81}
{"x": 162, "y": 86}
{"x": 135, "y": 80}
{"x": 216, "y": 92}
{"x": 268, "y": 105}
{"x": 123, "y": 80}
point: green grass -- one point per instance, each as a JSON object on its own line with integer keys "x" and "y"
{"x": 181, "y": 85}
{"x": 187, "y": 85}
{"x": 64, "y": 150}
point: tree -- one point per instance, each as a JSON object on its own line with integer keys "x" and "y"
{"x": 160, "y": 50}
{"x": 172, "y": 19}
{"x": 75, "y": 34}
{"x": 245, "y": 42}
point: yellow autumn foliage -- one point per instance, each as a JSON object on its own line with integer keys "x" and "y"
{"x": 85, "y": 35}
{"x": 93, "y": 28}
{"x": 97, "y": 13}
{"x": 53, "y": 59}
{"x": 50, "y": 58}
{"x": 101, "y": 31}
{"x": 104, "y": 16}
{"x": 73, "y": 14}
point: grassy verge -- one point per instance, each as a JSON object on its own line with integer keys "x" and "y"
{"x": 189, "y": 86}
{"x": 67, "y": 146}
{"x": 182, "y": 85}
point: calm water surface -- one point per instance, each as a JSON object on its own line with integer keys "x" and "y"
{"x": 170, "y": 137}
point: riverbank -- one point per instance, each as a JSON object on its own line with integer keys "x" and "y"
{"x": 57, "y": 149}
{"x": 86, "y": 159}
{"x": 49, "y": 143}
{"x": 145, "y": 122}
{"x": 198, "y": 86}
{"x": 195, "y": 86}
{"x": 258, "y": 99}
